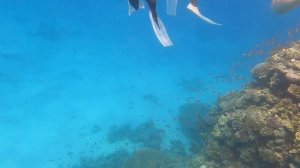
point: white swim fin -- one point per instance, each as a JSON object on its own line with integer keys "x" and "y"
{"x": 171, "y": 7}
{"x": 196, "y": 11}
{"x": 135, "y": 5}
{"x": 160, "y": 31}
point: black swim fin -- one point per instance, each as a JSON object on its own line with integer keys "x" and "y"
{"x": 160, "y": 31}
{"x": 135, "y": 4}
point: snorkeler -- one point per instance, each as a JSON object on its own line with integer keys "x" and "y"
{"x": 192, "y": 6}
{"x": 283, "y": 6}
{"x": 157, "y": 25}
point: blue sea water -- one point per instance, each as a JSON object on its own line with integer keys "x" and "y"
{"x": 68, "y": 67}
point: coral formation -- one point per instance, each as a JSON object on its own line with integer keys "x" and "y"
{"x": 151, "y": 98}
{"x": 258, "y": 126}
{"x": 194, "y": 85}
{"x": 118, "y": 133}
{"x": 146, "y": 134}
{"x": 177, "y": 147}
{"x": 114, "y": 160}
{"x": 149, "y": 158}
{"x": 192, "y": 123}
{"x": 142, "y": 158}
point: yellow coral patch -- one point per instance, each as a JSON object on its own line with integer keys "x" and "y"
{"x": 297, "y": 136}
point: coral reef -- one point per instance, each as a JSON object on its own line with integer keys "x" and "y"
{"x": 114, "y": 160}
{"x": 191, "y": 119}
{"x": 177, "y": 147}
{"x": 146, "y": 134}
{"x": 260, "y": 126}
{"x": 193, "y": 85}
{"x": 151, "y": 98}
{"x": 192, "y": 123}
{"x": 148, "y": 158}
{"x": 142, "y": 158}
{"x": 119, "y": 133}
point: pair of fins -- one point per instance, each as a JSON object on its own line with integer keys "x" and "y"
{"x": 157, "y": 24}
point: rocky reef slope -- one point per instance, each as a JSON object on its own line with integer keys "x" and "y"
{"x": 259, "y": 126}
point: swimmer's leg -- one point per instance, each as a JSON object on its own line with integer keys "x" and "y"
{"x": 283, "y": 6}
{"x": 171, "y": 7}
{"x": 157, "y": 25}
{"x": 193, "y": 7}
{"x": 152, "y": 7}
{"x": 160, "y": 31}
{"x": 134, "y": 5}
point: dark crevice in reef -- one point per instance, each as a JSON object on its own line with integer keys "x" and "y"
{"x": 256, "y": 127}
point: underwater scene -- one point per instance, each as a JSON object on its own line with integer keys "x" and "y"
{"x": 149, "y": 84}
